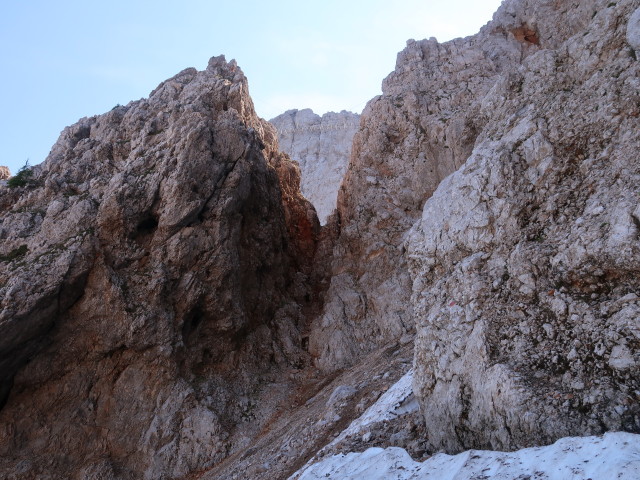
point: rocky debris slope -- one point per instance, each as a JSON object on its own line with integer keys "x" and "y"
{"x": 526, "y": 261}
{"x": 322, "y": 147}
{"x": 318, "y": 410}
{"x": 152, "y": 285}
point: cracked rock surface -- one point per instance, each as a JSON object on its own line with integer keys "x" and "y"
{"x": 525, "y": 261}
{"x": 170, "y": 308}
{"x": 148, "y": 285}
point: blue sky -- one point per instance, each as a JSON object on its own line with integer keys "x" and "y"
{"x": 65, "y": 60}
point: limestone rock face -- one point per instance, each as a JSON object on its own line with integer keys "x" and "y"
{"x": 4, "y": 173}
{"x": 158, "y": 271}
{"x": 633, "y": 31}
{"x": 151, "y": 278}
{"x": 322, "y": 147}
{"x": 525, "y": 262}
{"x": 420, "y": 130}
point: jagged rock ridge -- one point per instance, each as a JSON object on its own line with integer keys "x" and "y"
{"x": 322, "y": 147}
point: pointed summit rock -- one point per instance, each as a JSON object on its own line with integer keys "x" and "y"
{"x": 143, "y": 278}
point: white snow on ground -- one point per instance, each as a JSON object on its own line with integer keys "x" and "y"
{"x": 612, "y": 456}
{"x": 396, "y": 401}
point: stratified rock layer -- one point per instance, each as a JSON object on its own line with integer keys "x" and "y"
{"x": 322, "y": 147}
{"x": 148, "y": 285}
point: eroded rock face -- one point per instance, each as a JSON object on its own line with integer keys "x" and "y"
{"x": 154, "y": 272}
{"x": 4, "y": 173}
{"x": 322, "y": 147}
{"x": 523, "y": 264}
{"x": 525, "y": 261}
{"x": 152, "y": 276}
{"x": 420, "y": 130}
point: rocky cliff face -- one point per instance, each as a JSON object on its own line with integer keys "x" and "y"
{"x": 322, "y": 147}
{"x": 420, "y": 130}
{"x": 151, "y": 281}
{"x": 157, "y": 273}
{"x": 4, "y": 173}
{"x": 525, "y": 261}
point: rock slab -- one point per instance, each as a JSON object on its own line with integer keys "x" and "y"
{"x": 525, "y": 261}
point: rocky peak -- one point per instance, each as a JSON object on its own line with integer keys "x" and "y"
{"x": 152, "y": 268}
{"x": 322, "y": 147}
{"x": 509, "y": 285}
{"x": 5, "y": 174}
{"x": 502, "y": 131}
{"x": 418, "y": 132}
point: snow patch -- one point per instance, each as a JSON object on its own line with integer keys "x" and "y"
{"x": 614, "y": 455}
{"x": 396, "y": 401}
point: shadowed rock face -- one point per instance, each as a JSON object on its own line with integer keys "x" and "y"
{"x": 143, "y": 283}
{"x": 322, "y": 147}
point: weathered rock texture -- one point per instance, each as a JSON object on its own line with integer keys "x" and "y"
{"x": 154, "y": 273}
{"x": 419, "y": 131}
{"x": 4, "y": 173}
{"x": 526, "y": 261}
{"x": 151, "y": 277}
{"x": 322, "y": 147}
{"x": 524, "y": 264}
{"x": 633, "y": 31}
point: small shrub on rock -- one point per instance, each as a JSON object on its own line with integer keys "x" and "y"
{"x": 22, "y": 178}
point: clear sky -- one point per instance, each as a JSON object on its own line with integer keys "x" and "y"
{"x": 66, "y": 59}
